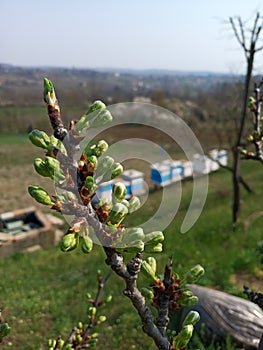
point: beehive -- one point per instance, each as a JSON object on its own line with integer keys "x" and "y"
{"x": 160, "y": 174}
{"x": 134, "y": 182}
{"x": 222, "y": 157}
{"x": 213, "y": 164}
{"x": 201, "y": 164}
{"x": 104, "y": 191}
{"x": 27, "y": 229}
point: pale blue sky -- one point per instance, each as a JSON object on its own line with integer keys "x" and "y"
{"x": 140, "y": 34}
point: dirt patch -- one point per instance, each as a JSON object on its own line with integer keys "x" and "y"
{"x": 243, "y": 278}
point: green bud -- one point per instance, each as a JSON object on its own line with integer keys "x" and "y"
{"x": 190, "y": 301}
{"x": 93, "y": 159}
{"x": 40, "y": 167}
{"x": 89, "y": 182}
{"x": 39, "y": 138}
{"x": 102, "y": 318}
{"x": 96, "y": 106}
{"x": 117, "y": 170}
{"x": 87, "y": 245}
{"x": 191, "y": 318}
{"x": 194, "y": 274}
{"x": 40, "y": 195}
{"x": 92, "y": 311}
{"x": 148, "y": 271}
{"x": 147, "y": 293}
{"x": 53, "y": 167}
{"x": 80, "y": 325}
{"x": 149, "y": 248}
{"x": 119, "y": 190}
{"x": 109, "y": 298}
{"x": 134, "y": 204}
{"x": 69, "y": 242}
{"x": 154, "y": 237}
{"x": 55, "y": 143}
{"x": 126, "y": 203}
{"x": 152, "y": 262}
{"x": 135, "y": 247}
{"x": 101, "y": 148}
{"x": 101, "y": 119}
{"x": 104, "y": 165}
{"x": 61, "y": 343}
{"x": 133, "y": 234}
{"x": 117, "y": 214}
{"x": 182, "y": 339}
{"x": 49, "y": 92}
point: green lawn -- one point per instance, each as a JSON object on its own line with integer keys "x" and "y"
{"x": 43, "y": 294}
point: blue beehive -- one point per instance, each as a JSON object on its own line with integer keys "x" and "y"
{"x": 105, "y": 190}
{"x": 176, "y": 169}
{"x": 222, "y": 157}
{"x": 134, "y": 182}
{"x": 160, "y": 174}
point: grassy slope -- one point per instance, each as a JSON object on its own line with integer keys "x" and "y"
{"x": 40, "y": 292}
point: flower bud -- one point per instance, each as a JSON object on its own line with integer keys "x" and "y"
{"x": 69, "y": 242}
{"x": 134, "y": 204}
{"x": 102, "y": 318}
{"x": 53, "y": 166}
{"x": 134, "y": 247}
{"x": 117, "y": 170}
{"x": 182, "y": 339}
{"x": 119, "y": 190}
{"x": 101, "y": 119}
{"x": 149, "y": 248}
{"x": 154, "y": 237}
{"x": 109, "y": 298}
{"x": 194, "y": 274}
{"x": 40, "y": 167}
{"x": 39, "y": 138}
{"x": 188, "y": 301}
{"x": 96, "y": 106}
{"x": 101, "y": 148}
{"x": 49, "y": 93}
{"x": 92, "y": 311}
{"x": 40, "y": 195}
{"x": 87, "y": 245}
{"x": 148, "y": 271}
{"x": 191, "y": 318}
{"x": 147, "y": 293}
{"x": 89, "y": 182}
{"x": 133, "y": 234}
{"x": 93, "y": 160}
{"x": 117, "y": 214}
{"x": 104, "y": 165}
{"x": 152, "y": 262}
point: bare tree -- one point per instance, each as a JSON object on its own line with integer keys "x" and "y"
{"x": 248, "y": 40}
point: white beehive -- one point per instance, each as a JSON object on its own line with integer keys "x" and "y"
{"x": 202, "y": 164}
{"x": 104, "y": 191}
{"x": 222, "y": 157}
{"x": 160, "y": 174}
{"x": 213, "y": 164}
{"x": 134, "y": 182}
{"x": 176, "y": 169}
{"x": 187, "y": 168}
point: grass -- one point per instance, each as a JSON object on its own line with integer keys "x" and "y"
{"x": 43, "y": 294}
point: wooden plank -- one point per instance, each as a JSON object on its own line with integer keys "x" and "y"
{"x": 224, "y": 314}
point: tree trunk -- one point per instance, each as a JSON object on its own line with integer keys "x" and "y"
{"x": 236, "y": 151}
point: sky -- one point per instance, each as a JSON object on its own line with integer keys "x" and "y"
{"x": 188, "y": 35}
